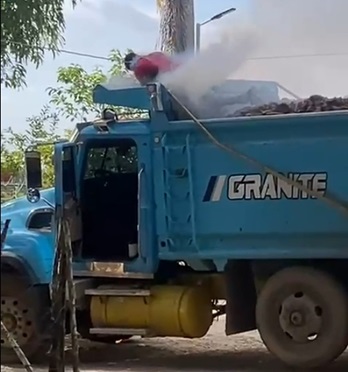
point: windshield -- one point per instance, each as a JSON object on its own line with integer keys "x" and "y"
{"x": 120, "y": 158}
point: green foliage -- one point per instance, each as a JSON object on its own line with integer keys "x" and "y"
{"x": 41, "y": 128}
{"x": 28, "y": 29}
{"x": 72, "y": 99}
{"x": 73, "y": 96}
{"x": 117, "y": 66}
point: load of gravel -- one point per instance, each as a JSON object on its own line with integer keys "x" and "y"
{"x": 314, "y": 103}
{"x": 237, "y": 98}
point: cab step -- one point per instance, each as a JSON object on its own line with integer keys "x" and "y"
{"x": 120, "y": 331}
{"x": 118, "y": 292}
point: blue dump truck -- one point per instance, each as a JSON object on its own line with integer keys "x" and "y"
{"x": 175, "y": 220}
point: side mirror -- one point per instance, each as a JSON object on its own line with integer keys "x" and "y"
{"x": 33, "y": 195}
{"x": 33, "y": 169}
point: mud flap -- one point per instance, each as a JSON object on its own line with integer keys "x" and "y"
{"x": 241, "y": 297}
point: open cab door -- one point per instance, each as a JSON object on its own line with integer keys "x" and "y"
{"x": 104, "y": 192}
{"x": 67, "y": 188}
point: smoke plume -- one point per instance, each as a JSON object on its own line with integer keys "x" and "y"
{"x": 213, "y": 65}
{"x": 283, "y": 31}
{"x": 301, "y": 27}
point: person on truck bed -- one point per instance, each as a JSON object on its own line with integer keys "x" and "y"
{"x": 146, "y": 68}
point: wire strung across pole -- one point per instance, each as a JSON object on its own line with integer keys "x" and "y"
{"x": 94, "y": 56}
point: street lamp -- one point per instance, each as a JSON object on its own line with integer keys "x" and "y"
{"x": 214, "y": 18}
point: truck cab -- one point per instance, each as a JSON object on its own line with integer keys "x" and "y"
{"x": 105, "y": 187}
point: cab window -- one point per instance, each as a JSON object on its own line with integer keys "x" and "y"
{"x": 111, "y": 159}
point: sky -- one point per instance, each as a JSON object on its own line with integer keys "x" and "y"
{"x": 97, "y": 26}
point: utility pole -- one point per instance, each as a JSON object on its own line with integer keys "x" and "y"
{"x": 177, "y": 27}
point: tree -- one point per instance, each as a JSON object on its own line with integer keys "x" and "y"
{"x": 177, "y": 25}
{"x": 72, "y": 99}
{"x": 28, "y": 29}
{"x": 73, "y": 96}
{"x": 41, "y": 128}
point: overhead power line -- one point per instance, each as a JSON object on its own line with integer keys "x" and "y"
{"x": 80, "y": 54}
{"x": 94, "y": 56}
{"x": 57, "y": 50}
{"x": 310, "y": 55}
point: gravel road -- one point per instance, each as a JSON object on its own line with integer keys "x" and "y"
{"x": 215, "y": 352}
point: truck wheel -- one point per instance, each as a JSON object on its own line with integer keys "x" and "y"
{"x": 24, "y": 312}
{"x": 302, "y": 317}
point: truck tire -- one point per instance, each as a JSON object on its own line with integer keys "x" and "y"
{"x": 25, "y": 313}
{"x": 302, "y": 317}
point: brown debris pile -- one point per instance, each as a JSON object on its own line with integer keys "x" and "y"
{"x": 314, "y": 103}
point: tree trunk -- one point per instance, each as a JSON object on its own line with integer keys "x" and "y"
{"x": 177, "y": 27}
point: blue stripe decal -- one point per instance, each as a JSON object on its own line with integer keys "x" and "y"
{"x": 210, "y": 188}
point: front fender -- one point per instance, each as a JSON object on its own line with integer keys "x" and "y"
{"x": 31, "y": 252}
{"x": 10, "y": 262}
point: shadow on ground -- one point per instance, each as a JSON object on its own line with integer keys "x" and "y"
{"x": 148, "y": 357}
{"x": 136, "y": 356}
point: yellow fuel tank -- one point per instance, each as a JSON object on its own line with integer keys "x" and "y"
{"x": 215, "y": 283}
{"x": 175, "y": 311}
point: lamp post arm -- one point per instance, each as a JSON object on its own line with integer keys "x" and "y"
{"x": 198, "y": 37}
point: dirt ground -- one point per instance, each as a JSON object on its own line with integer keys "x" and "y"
{"x": 215, "y": 352}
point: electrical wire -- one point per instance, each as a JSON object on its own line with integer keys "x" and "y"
{"x": 289, "y": 56}
{"x": 57, "y": 50}
{"x": 94, "y": 56}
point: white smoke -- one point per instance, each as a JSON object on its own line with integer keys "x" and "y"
{"x": 118, "y": 82}
{"x": 213, "y": 65}
{"x": 271, "y": 28}
{"x": 291, "y": 35}
{"x": 298, "y": 28}
{"x": 199, "y": 73}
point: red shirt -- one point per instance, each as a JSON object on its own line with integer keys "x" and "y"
{"x": 149, "y": 66}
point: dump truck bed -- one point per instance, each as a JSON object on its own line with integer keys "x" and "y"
{"x": 212, "y": 202}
